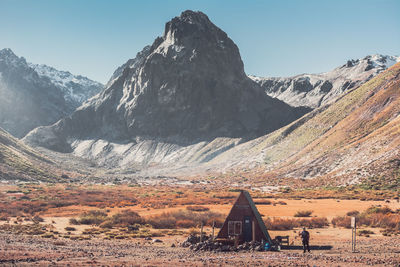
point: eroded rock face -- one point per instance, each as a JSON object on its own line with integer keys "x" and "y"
{"x": 189, "y": 86}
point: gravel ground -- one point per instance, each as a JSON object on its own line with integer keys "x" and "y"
{"x": 16, "y": 250}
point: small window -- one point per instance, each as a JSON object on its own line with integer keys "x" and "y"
{"x": 234, "y": 228}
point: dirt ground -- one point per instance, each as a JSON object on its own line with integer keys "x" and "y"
{"x": 35, "y": 251}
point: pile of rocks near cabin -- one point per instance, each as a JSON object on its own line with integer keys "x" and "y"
{"x": 193, "y": 243}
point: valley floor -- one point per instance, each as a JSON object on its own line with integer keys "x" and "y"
{"x": 37, "y": 228}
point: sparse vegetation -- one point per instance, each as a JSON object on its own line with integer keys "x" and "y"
{"x": 289, "y": 224}
{"x": 185, "y": 219}
{"x": 365, "y": 233}
{"x": 374, "y": 216}
{"x": 95, "y": 217}
{"x": 303, "y": 213}
{"x": 197, "y": 208}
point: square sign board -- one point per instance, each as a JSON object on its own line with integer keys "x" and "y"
{"x": 353, "y": 222}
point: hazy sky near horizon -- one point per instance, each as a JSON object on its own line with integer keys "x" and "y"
{"x": 275, "y": 38}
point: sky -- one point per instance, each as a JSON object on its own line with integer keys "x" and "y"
{"x": 275, "y": 38}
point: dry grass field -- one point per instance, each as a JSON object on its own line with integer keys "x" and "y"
{"x": 87, "y": 225}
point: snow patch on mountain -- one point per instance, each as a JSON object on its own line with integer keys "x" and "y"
{"x": 76, "y": 88}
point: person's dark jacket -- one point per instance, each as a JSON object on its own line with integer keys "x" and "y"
{"x": 305, "y": 235}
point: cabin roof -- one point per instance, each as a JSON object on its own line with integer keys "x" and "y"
{"x": 257, "y": 215}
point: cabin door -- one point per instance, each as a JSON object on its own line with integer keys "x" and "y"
{"x": 247, "y": 231}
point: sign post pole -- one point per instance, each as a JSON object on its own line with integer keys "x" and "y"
{"x": 353, "y": 234}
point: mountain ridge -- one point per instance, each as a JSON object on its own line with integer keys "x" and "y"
{"x": 315, "y": 90}
{"x": 30, "y": 98}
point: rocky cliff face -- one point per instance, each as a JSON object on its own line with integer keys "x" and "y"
{"x": 315, "y": 90}
{"x": 29, "y": 98}
{"x": 187, "y": 88}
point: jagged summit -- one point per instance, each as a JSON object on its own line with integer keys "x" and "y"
{"x": 6, "y": 52}
{"x": 7, "y": 56}
{"x": 378, "y": 61}
{"x": 192, "y": 26}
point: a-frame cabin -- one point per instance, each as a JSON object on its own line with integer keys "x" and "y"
{"x": 244, "y": 222}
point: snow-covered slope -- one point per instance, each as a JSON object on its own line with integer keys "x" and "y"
{"x": 314, "y": 90}
{"x": 76, "y": 88}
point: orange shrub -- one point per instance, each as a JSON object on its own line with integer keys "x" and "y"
{"x": 185, "y": 224}
{"x": 342, "y": 221}
{"x": 125, "y": 218}
{"x": 303, "y": 213}
{"x": 313, "y": 222}
{"x": 168, "y": 220}
{"x": 263, "y": 202}
{"x": 289, "y": 224}
{"x": 197, "y": 208}
{"x": 280, "y": 224}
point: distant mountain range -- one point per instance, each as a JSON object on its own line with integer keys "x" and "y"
{"x": 315, "y": 90}
{"x": 33, "y": 95}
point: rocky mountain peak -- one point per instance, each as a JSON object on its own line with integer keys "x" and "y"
{"x": 190, "y": 25}
{"x": 188, "y": 87}
{"x": 7, "y": 52}
{"x": 8, "y": 57}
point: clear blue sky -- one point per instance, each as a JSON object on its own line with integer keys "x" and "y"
{"x": 275, "y": 38}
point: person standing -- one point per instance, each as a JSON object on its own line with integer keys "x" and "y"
{"x": 305, "y": 238}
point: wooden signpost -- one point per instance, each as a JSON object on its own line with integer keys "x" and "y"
{"x": 353, "y": 234}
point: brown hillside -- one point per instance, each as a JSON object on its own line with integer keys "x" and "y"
{"x": 362, "y": 146}
{"x": 19, "y": 162}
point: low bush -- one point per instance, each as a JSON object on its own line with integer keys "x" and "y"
{"x": 47, "y": 235}
{"x": 263, "y": 202}
{"x": 303, "y": 213}
{"x": 73, "y": 221}
{"x": 376, "y": 209}
{"x": 365, "y": 233}
{"x": 197, "y": 208}
{"x": 289, "y": 224}
{"x": 316, "y": 222}
{"x": 342, "y": 221}
{"x": 353, "y": 213}
{"x": 95, "y": 217}
{"x": 29, "y": 229}
{"x": 126, "y": 218}
{"x": 374, "y": 216}
{"x": 37, "y": 219}
{"x": 280, "y": 224}
{"x": 70, "y": 229}
{"x": 185, "y": 219}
